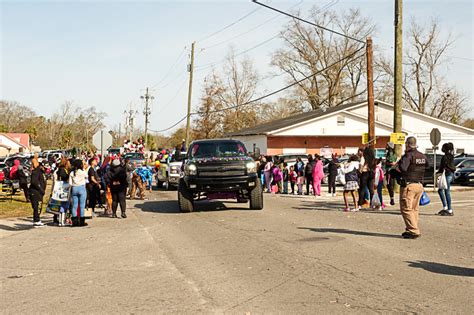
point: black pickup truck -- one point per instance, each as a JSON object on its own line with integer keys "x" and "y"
{"x": 219, "y": 169}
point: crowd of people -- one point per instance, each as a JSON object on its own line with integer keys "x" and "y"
{"x": 96, "y": 182}
{"x": 364, "y": 177}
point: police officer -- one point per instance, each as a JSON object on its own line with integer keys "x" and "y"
{"x": 412, "y": 169}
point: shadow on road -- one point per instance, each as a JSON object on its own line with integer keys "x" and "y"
{"x": 16, "y": 227}
{"x": 346, "y": 231}
{"x": 442, "y": 268}
{"x": 335, "y": 206}
{"x": 171, "y": 206}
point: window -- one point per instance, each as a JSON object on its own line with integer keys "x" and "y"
{"x": 341, "y": 121}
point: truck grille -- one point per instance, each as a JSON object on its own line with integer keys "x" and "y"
{"x": 221, "y": 171}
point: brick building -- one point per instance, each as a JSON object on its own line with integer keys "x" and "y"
{"x": 339, "y": 129}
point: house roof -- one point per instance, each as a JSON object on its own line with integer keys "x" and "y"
{"x": 22, "y": 138}
{"x": 6, "y": 135}
{"x": 292, "y": 120}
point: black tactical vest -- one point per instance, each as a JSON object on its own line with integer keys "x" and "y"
{"x": 416, "y": 170}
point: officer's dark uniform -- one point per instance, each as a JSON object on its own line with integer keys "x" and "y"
{"x": 412, "y": 167}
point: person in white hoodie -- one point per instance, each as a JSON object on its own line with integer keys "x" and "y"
{"x": 352, "y": 181}
{"x": 77, "y": 180}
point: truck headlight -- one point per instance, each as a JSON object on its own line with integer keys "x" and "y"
{"x": 191, "y": 169}
{"x": 251, "y": 167}
{"x": 174, "y": 170}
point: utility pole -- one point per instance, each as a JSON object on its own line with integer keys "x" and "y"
{"x": 370, "y": 92}
{"x": 190, "y": 69}
{"x": 130, "y": 120}
{"x": 147, "y": 97}
{"x": 398, "y": 71}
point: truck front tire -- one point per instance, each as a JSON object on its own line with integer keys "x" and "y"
{"x": 185, "y": 198}
{"x": 256, "y": 197}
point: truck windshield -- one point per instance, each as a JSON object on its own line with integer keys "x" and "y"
{"x": 218, "y": 149}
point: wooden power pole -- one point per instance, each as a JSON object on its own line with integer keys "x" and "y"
{"x": 370, "y": 92}
{"x": 397, "y": 109}
{"x": 190, "y": 91}
{"x": 147, "y": 97}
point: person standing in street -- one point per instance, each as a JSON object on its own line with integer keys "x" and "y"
{"x": 299, "y": 168}
{"x": 118, "y": 186}
{"x": 77, "y": 180}
{"x": 333, "y": 166}
{"x": 411, "y": 168}
{"x": 267, "y": 171}
{"x": 93, "y": 186}
{"x": 308, "y": 172}
{"x": 286, "y": 178}
{"x": 137, "y": 183}
{"x": 367, "y": 175}
{"x": 351, "y": 171}
{"x": 318, "y": 175}
{"x": 37, "y": 190}
{"x": 446, "y": 168}
{"x": 293, "y": 178}
{"x": 390, "y": 162}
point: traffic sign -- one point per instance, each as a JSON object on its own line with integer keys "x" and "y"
{"x": 365, "y": 138}
{"x": 435, "y": 136}
{"x": 397, "y": 138}
{"x": 102, "y": 140}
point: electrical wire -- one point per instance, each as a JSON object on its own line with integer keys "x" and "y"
{"x": 182, "y": 53}
{"x": 286, "y": 87}
{"x": 171, "y": 127}
{"x": 228, "y": 26}
{"x": 209, "y": 65}
{"x": 266, "y": 95}
{"x": 306, "y": 21}
{"x": 181, "y": 86}
{"x": 248, "y": 31}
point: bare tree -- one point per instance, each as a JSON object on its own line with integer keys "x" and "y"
{"x": 311, "y": 50}
{"x": 425, "y": 88}
{"x": 209, "y": 124}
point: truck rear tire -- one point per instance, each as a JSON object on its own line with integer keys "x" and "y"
{"x": 256, "y": 197}
{"x": 185, "y": 198}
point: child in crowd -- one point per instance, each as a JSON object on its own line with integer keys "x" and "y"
{"x": 286, "y": 178}
{"x": 277, "y": 178}
{"x": 299, "y": 168}
{"x": 293, "y": 178}
{"x": 378, "y": 182}
{"x": 352, "y": 179}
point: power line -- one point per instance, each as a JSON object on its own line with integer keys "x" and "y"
{"x": 171, "y": 127}
{"x": 248, "y": 31}
{"x": 171, "y": 68}
{"x": 288, "y": 86}
{"x": 306, "y": 21}
{"x": 208, "y": 65}
{"x": 269, "y": 94}
{"x": 174, "y": 96}
{"x": 229, "y": 25}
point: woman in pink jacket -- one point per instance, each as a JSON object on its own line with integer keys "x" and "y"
{"x": 318, "y": 175}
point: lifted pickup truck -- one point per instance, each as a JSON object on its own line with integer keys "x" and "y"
{"x": 219, "y": 169}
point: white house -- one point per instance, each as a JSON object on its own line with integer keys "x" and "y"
{"x": 339, "y": 129}
{"x": 8, "y": 145}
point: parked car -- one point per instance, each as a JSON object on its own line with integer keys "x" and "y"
{"x": 462, "y": 163}
{"x": 465, "y": 176}
{"x": 428, "y": 177}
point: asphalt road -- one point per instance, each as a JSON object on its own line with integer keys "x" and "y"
{"x": 298, "y": 255}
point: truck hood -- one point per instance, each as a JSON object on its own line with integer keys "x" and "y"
{"x": 218, "y": 160}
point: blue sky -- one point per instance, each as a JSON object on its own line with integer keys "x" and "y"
{"x": 104, "y": 53}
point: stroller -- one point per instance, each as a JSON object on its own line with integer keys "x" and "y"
{"x": 59, "y": 202}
